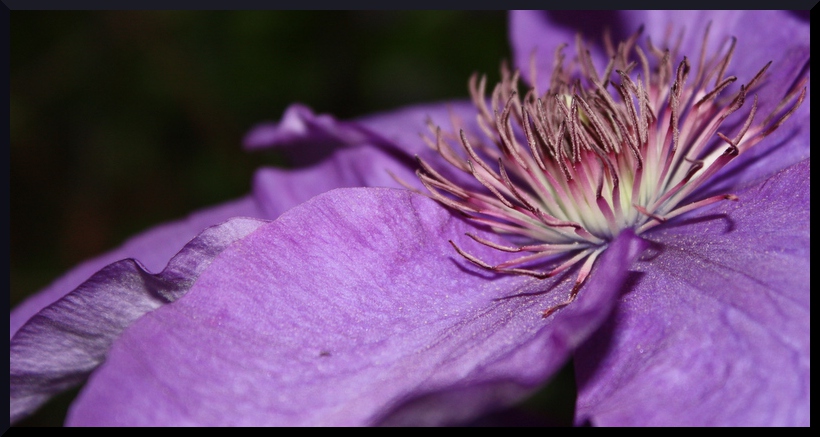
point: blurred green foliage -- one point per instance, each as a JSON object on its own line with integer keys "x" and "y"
{"x": 123, "y": 120}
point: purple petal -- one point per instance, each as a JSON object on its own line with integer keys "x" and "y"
{"x": 403, "y": 126}
{"x": 60, "y": 346}
{"x": 367, "y": 163}
{"x": 716, "y": 331}
{"x": 304, "y": 135}
{"x": 153, "y": 249}
{"x": 278, "y": 190}
{"x": 308, "y": 138}
{"x": 350, "y": 309}
{"x": 403, "y": 129}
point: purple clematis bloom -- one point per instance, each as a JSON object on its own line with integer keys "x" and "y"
{"x": 353, "y": 308}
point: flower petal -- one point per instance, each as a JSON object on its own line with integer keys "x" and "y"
{"x": 716, "y": 330}
{"x": 278, "y": 190}
{"x": 60, "y": 346}
{"x": 299, "y": 127}
{"x": 153, "y": 249}
{"x": 403, "y": 126}
{"x": 350, "y": 309}
{"x": 308, "y": 138}
{"x": 367, "y": 152}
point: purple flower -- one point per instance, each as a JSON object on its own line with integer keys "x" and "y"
{"x": 353, "y": 308}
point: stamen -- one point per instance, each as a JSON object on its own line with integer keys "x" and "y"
{"x": 786, "y": 115}
{"x": 582, "y": 276}
{"x": 598, "y": 158}
{"x": 687, "y": 208}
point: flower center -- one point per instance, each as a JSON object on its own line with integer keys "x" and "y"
{"x": 567, "y": 170}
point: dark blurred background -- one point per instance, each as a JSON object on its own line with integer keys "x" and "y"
{"x": 123, "y": 120}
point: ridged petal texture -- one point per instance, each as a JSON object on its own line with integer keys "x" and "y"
{"x": 351, "y": 309}
{"x": 716, "y": 330}
{"x": 61, "y": 345}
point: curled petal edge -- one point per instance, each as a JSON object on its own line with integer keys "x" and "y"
{"x": 62, "y": 344}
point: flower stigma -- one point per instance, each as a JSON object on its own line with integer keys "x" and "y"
{"x": 565, "y": 171}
